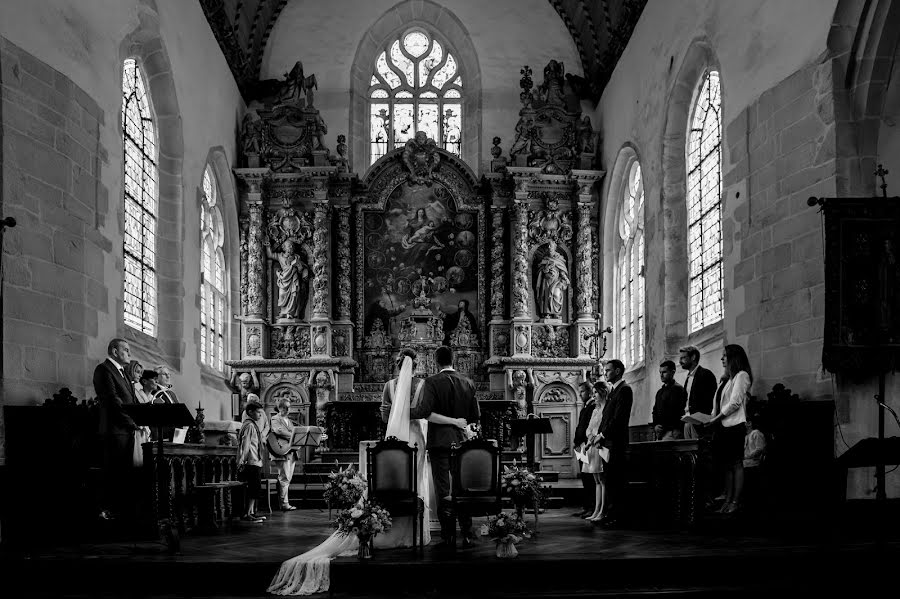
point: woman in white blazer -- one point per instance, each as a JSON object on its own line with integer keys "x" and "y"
{"x": 732, "y": 415}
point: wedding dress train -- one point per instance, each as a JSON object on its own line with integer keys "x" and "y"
{"x": 309, "y": 572}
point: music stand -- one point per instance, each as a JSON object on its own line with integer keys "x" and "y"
{"x": 159, "y": 415}
{"x": 307, "y": 436}
{"x": 529, "y": 427}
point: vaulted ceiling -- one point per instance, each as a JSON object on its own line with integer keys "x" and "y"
{"x": 599, "y": 28}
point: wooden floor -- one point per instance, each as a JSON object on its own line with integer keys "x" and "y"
{"x": 568, "y": 558}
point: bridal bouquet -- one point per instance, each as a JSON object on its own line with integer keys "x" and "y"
{"x": 522, "y": 486}
{"x": 365, "y": 519}
{"x": 344, "y": 488}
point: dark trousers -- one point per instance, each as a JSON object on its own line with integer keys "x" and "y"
{"x": 118, "y": 474}
{"x": 616, "y": 480}
{"x": 440, "y": 476}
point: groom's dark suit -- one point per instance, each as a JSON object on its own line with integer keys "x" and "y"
{"x": 450, "y": 394}
{"x": 117, "y": 431}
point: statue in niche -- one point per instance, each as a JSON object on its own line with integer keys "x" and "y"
{"x": 462, "y": 318}
{"x": 251, "y": 133}
{"x": 292, "y": 281}
{"x": 421, "y": 158}
{"x": 585, "y": 135}
{"x": 552, "y": 283}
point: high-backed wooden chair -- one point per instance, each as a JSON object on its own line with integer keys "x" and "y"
{"x": 392, "y": 476}
{"x": 475, "y": 474}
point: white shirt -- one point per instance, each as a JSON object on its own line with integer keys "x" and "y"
{"x": 118, "y": 367}
{"x": 448, "y": 368}
{"x": 733, "y": 408}
{"x": 687, "y": 387}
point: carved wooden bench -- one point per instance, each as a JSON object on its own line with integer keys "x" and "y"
{"x": 212, "y": 505}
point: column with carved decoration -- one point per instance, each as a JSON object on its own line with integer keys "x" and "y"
{"x": 586, "y": 319}
{"x": 499, "y": 330}
{"x": 320, "y": 338}
{"x": 254, "y": 332}
{"x": 342, "y": 333}
{"x": 243, "y": 227}
{"x": 521, "y": 310}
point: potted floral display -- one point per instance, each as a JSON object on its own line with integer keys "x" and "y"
{"x": 343, "y": 489}
{"x": 365, "y": 519}
{"x": 507, "y": 529}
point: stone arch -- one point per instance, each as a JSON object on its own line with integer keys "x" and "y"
{"x": 862, "y": 43}
{"x": 627, "y": 156}
{"x": 679, "y": 111}
{"x": 436, "y": 20}
{"x": 557, "y": 392}
{"x": 145, "y": 44}
{"x": 218, "y": 161}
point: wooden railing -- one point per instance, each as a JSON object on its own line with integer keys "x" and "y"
{"x": 665, "y": 480}
{"x": 184, "y": 467}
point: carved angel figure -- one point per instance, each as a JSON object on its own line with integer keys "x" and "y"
{"x": 585, "y": 135}
{"x": 552, "y": 283}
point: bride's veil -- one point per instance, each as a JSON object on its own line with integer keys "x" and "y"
{"x": 398, "y": 421}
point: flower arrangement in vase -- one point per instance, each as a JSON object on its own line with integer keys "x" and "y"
{"x": 365, "y": 519}
{"x": 343, "y": 489}
{"x": 522, "y": 486}
{"x": 507, "y": 530}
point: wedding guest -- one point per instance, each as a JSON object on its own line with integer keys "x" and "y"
{"x": 729, "y": 445}
{"x": 133, "y": 372}
{"x": 613, "y": 435}
{"x": 250, "y": 459}
{"x": 595, "y": 464}
{"x": 700, "y": 386}
{"x": 586, "y": 391}
{"x": 164, "y": 392}
{"x": 145, "y": 392}
{"x": 669, "y": 405}
{"x": 117, "y": 429}
{"x": 283, "y": 428}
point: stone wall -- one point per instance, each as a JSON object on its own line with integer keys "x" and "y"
{"x": 62, "y": 180}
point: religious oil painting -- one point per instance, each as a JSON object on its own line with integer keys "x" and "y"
{"x": 420, "y": 254}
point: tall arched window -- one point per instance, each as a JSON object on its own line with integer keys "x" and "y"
{"x": 416, "y": 86}
{"x": 141, "y": 199}
{"x": 212, "y": 277}
{"x": 631, "y": 268}
{"x": 704, "y": 204}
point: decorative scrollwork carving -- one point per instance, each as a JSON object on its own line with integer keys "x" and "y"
{"x": 550, "y": 341}
{"x": 421, "y": 158}
{"x": 520, "y": 261}
{"x": 498, "y": 263}
{"x": 290, "y": 342}
{"x": 556, "y": 393}
{"x": 320, "y": 260}
{"x": 549, "y": 223}
{"x": 584, "y": 281}
{"x": 256, "y": 292}
{"x": 343, "y": 258}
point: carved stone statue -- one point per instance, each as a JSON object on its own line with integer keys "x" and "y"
{"x": 550, "y": 91}
{"x": 244, "y": 384}
{"x": 322, "y": 384}
{"x": 585, "y": 134}
{"x": 552, "y": 283}
{"x": 251, "y": 133}
{"x": 421, "y": 158}
{"x": 292, "y": 281}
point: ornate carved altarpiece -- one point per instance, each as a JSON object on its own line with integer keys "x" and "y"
{"x": 339, "y": 273}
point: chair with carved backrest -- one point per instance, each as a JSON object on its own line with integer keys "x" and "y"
{"x": 475, "y": 474}
{"x": 392, "y": 477}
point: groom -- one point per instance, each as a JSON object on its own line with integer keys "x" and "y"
{"x": 451, "y": 394}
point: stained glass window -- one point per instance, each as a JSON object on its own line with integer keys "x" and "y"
{"x": 411, "y": 91}
{"x": 139, "y": 141}
{"x": 631, "y": 269}
{"x": 212, "y": 277}
{"x": 704, "y": 206}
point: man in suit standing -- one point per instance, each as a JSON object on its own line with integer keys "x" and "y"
{"x": 114, "y": 390}
{"x": 451, "y": 394}
{"x": 614, "y": 434}
{"x": 700, "y": 385}
{"x": 669, "y": 405}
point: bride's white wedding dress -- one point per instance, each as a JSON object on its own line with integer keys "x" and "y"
{"x": 310, "y": 572}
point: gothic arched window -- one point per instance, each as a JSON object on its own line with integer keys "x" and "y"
{"x": 630, "y": 272}
{"x": 416, "y": 86}
{"x": 704, "y": 205}
{"x": 212, "y": 277}
{"x": 141, "y": 201}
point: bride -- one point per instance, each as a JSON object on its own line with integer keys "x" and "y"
{"x": 309, "y": 573}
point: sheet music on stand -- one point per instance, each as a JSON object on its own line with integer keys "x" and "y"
{"x": 307, "y": 436}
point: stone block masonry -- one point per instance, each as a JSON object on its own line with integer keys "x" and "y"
{"x": 783, "y": 145}
{"x": 53, "y": 289}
